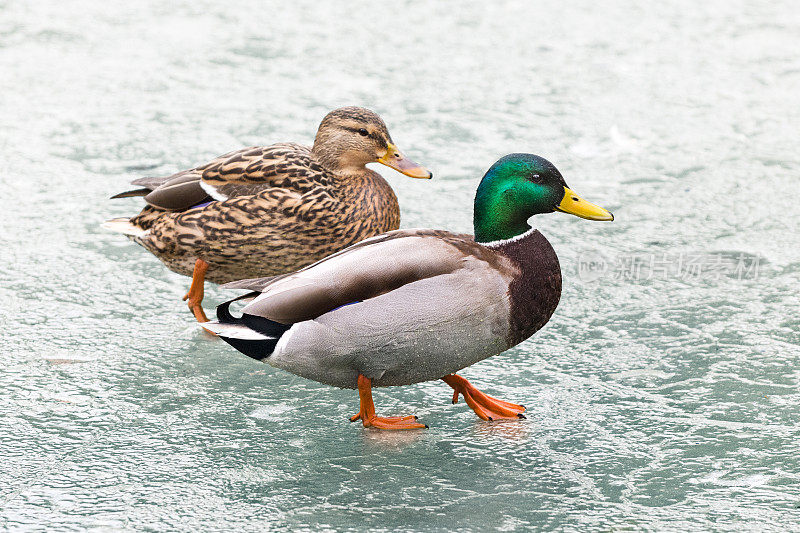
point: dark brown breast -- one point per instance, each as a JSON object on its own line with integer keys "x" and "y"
{"x": 536, "y": 290}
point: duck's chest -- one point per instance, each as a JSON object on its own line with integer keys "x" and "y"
{"x": 535, "y": 291}
{"x": 369, "y": 206}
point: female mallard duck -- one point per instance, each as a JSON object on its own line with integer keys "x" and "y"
{"x": 417, "y": 305}
{"x": 263, "y": 211}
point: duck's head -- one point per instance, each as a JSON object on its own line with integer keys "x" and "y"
{"x": 350, "y": 137}
{"x": 519, "y": 186}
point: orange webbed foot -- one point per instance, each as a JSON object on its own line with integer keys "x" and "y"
{"x": 486, "y": 407}
{"x": 389, "y": 422}
{"x": 367, "y": 412}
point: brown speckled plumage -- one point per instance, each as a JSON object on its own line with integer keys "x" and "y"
{"x": 278, "y": 208}
{"x": 302, "y": 218}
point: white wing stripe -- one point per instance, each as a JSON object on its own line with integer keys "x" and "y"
{"x": 213, "y": 192}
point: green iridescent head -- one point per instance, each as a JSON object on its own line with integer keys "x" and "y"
{"x": 519, "y": 186}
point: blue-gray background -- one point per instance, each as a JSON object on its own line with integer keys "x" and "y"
{"x": 661, "y": 399}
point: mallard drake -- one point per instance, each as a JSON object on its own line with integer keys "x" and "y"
{"x": 268, "y": 210}
{"x": 417, "y": 305}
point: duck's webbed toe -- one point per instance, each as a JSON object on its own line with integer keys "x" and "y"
{"x": 367, "y": 411}
{"x": 486, "y": 407}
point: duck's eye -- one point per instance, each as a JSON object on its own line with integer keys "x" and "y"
{"x": 363, "y": 132}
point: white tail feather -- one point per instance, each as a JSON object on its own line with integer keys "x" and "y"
{"x": 234, "y": 331}
{"x": 124, "y": 226}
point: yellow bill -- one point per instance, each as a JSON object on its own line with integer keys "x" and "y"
{"x": 575, "y": 205}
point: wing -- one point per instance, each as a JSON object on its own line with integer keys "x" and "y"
{"x": 149, "y": 184}
{"x": 153, "y": 182}
{"x": 249, "y": 171}
{"x": 365, "y": 270}
{"x": 240, "y": 173}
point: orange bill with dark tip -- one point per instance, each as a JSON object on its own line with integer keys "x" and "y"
{"x": 395, "y": 159}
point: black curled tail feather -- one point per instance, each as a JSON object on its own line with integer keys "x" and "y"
{"x": 257, "y": 349}
{"x": 262, "y": 325}
{"x": 224, "y": 309}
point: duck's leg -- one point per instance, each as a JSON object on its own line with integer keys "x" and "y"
{"x": 367, "y": 412}
{"x": 485, "y": 406}
{"x": 195, "y": 294}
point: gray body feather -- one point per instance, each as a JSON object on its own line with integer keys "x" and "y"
{"x": 422, "y": 331}
{"x": 429, "y": 303}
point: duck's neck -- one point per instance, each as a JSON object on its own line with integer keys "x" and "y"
{"x": 491, "y": 230}
{"x": 500, "y": 243}
{"x": 501, "y": 224}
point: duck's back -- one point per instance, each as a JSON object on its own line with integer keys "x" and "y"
{"x": 239, "y": 173}
{"x": 271, "y": 210}
{"x": 284, "y": 165}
